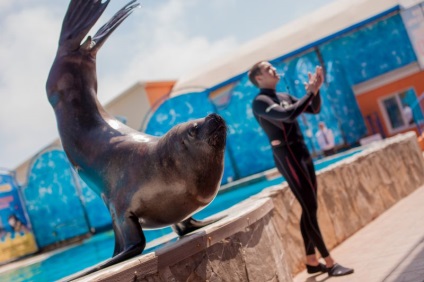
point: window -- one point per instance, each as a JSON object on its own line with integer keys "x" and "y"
{"x": 401, "y": 111}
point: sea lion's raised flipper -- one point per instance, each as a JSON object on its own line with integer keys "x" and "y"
{"x": 79, "y": 19}
{"x": 103, "y": 33}
{"x": 190, "y": 224}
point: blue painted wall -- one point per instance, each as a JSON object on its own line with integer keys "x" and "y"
{"x": 98, "y": 215}
{"x": 371, "y": 51}
{"x": 16, "y": 236}
{"x": 59, "y": 207}
{"x": 53, "y": 203}
{"x": 10, "y": 206}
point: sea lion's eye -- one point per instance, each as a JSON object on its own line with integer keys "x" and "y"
{"x": 193, "y": 130}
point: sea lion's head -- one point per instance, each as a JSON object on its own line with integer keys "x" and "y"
{"x": 210, "y": 132}
{"x": 195, "y": 151}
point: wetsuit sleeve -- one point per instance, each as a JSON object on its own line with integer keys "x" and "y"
{"x": 314, "y": 107}
{"x": 266, "y": 108}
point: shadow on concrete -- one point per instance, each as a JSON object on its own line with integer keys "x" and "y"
{"x": 411, "y": 268}
{"x": 318, "y": 278}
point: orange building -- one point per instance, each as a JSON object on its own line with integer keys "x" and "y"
{"x": 380, "y": 101}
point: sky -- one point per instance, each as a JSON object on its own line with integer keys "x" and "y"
{"x": 162, "y": 40}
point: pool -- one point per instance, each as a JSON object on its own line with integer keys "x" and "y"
{"x": 56, "y": 265}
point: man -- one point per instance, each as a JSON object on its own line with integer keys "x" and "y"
{"x": 325, "y": 139}
{"x": 276, "y": 114}
{"x": 407, "y": 113}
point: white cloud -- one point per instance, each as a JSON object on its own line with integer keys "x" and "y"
{"x": 172, "y": 11}
{"x": 162, "y": 49}
{"x": 5, "y": 4}
{"x": 26, "y": 51}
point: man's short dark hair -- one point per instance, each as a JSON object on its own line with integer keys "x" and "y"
{"x": 254, "y": 71}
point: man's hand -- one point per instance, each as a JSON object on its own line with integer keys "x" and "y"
{"x": 315, "y": 81}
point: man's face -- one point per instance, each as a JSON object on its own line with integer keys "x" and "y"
{"x": 268, "y": 78}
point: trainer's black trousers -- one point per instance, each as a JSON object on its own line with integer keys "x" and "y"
{"x": 295, "y": 164}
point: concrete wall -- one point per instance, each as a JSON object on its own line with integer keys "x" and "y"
{"x": 259, "y": 240}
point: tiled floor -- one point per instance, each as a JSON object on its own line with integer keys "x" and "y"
{"x": 389, "y": 249}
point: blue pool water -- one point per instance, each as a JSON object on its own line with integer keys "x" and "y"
{"x": 100, "y": 247}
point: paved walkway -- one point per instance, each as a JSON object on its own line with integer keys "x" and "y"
{"x": 389, "y": 249}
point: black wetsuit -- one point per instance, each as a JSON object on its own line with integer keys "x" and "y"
{"x": 277, "y": 116}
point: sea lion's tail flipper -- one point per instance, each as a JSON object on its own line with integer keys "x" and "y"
{"x": 107, "y": 29}
{"x": 190, "y": 224}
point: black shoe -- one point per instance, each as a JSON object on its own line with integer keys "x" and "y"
{"x": 338, "y": 270}
{"x": 315, "y": 269}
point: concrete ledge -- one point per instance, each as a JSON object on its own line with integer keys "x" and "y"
{"x": 240, "y": 245}
{"x": 259, "y": 239}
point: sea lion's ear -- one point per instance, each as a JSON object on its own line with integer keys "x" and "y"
{"x": 106, "y": 30}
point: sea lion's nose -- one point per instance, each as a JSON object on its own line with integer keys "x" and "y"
{"x": 215, "y": 117}
{"x": 216, "y": 122}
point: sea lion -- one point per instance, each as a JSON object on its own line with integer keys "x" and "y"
{"x": 145, "y": 181}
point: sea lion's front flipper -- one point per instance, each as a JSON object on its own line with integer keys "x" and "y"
{"x": 129, "y": 242}
{"x": 190, "y": 224}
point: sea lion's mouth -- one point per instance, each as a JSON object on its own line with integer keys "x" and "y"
{"x": 217, "y": 131}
